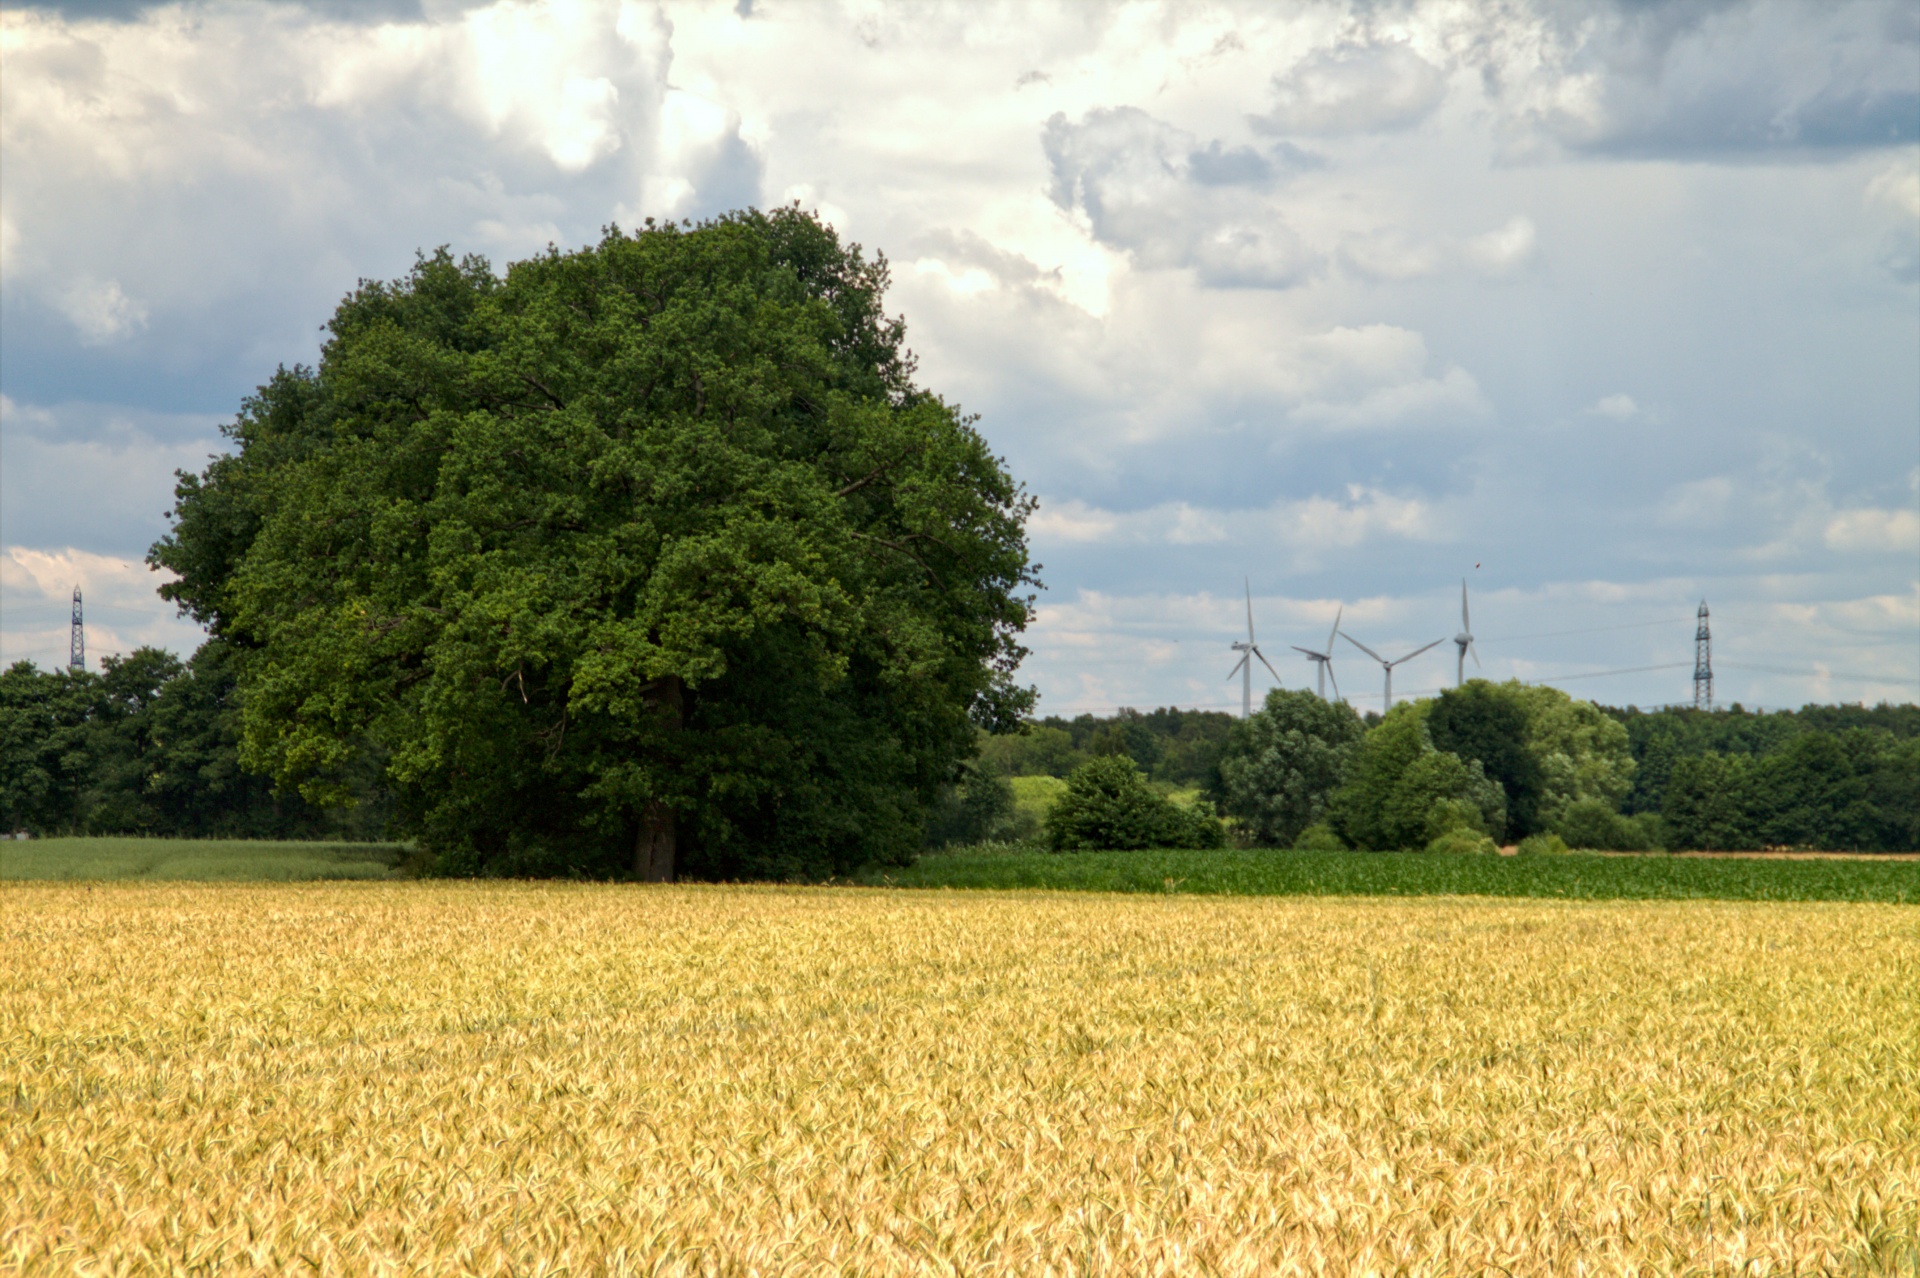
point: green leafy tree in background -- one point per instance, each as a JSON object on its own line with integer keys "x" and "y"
{"x": 648, "y": 558}
{"x": 978, "y": 808}
{"x": 1582, "y": 751}
{"x": 146, "y": 745}
{"x": 1036, "y": 751}
{"x": 1108, "y": 806}
{"x": 46, "y": 758}
{"x": 1282, "y": 764}
{"x": 1180, "y": 747}
{"x": 1709, "y": 803}
{"x": 1491, "y": 722}
{"x": 1401, "y": 792}
{"x": 1855, "y": 789}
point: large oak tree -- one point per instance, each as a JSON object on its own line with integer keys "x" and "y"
{"x": 646, "y": 558}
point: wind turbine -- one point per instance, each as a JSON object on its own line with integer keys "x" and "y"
{"x": 1248, "y": 651}
{"x": 1323, "y": 661}
{"x": 1389, "y": 665}
{"x": 1465, "y": 639}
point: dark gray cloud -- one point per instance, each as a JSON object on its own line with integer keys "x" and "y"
{"x": 1733, "y": 81}
{"x": 1151, "y": 189}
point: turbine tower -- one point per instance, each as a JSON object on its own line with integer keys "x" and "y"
{"x": 77, "y": 645}
{"x": 1702, "y": 662}
{"x": 1464, "y": 640}
{"x": 1248, "y": 651}
{"x": 1389, "y": 665}
{"x": 1323, "y": 661}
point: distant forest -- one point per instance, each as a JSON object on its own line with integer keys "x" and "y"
{"x": 149, "y": 744}
{"x": 1840, "y": 777}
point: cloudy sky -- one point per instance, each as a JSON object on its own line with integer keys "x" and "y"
{"x": 1606, "y": 309}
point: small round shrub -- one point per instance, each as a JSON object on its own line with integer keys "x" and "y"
{"x": 1108, "y": 806}
{"x": 1319, "y": 837}
{"x": 1593, "y": 824}
{"x": 1543, "y": 845}
{"x": 1461, "y": 840}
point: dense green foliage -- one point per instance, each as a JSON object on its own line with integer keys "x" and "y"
{"x": 148, "y": 745}
{"x": 1402, "y": 792}
{"x": 645, "y": 558}
{"x": 1174, "y": 747}
{"x": 199, "y": 860}
{"x": 1108, "y": 806}
{"x": 1483, "y": 721}
{"x": 1853, "y": 789}
{"x": 1660, "y": 738}
{"x": 1514, "y": 761}
{"x": 978, "y": 808}
{"x": 1281, "y": 765}
{"x": 1575, "y": 876}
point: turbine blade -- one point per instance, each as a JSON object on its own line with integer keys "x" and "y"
{"x": 1334, "y": 682}
{"x": 1268, "y": 665}
{"x": 1317, "y": 656}
{"x": 1236, "y": 669}
{"x": 1464, "y": 623}
{"x": 1249, "y": 582}
{"x": 1417, "y": 651}
{"x": 1336, "y": 626}
{"x": 1474, "y": 653}
{"x": 1362, "y": 647}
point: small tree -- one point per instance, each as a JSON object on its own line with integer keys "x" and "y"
{"x": 1109, "y": 806}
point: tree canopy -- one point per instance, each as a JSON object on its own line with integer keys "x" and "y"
{"x": 650, "y": 557}
{"x": 1108, "y": 806}
{"x": 1283, "y": 763}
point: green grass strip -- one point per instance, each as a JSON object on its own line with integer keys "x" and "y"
{"x": 1652, "y": 877}
{"x": 195, "y": 860}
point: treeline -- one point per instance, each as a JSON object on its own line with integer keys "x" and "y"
{"x": 150, "y": 745}
{"x": 1177, "y": 747}
{"x": 1477, "y": 765}
{"x": 1839, "y": 777}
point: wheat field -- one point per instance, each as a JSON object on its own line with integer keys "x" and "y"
{"x": 576, "y": 1079}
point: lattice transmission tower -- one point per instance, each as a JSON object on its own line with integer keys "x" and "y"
{"x": 1703, "y": 662}
{"x": 77, "y": 646}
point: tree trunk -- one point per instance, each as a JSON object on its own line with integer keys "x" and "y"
{"x": 654, "y": 849}
{"x": 653, "y": 853}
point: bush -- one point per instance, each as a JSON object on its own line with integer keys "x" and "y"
{"x": 1653, "y": 831}
{"x": 1543, "y": 845}
{"x": 1464, "y": 839}
{"x": 1592, "y": 824}
{"x": 1319, "y": 837}
{"x": 1108, "y": 806}
{"x": 1447, "y": 816}
{"x": 1199, "y": 826}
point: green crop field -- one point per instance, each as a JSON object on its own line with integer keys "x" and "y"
{"x": 203, "y": 860}
{"x": 1272, "y": 873}
{"x": 1228, "y": 872}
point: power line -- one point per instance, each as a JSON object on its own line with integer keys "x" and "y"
{"x": 1823, "y": 674}
{"x": 1601, "y": 674}
{"x": 1589, "y": 630}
